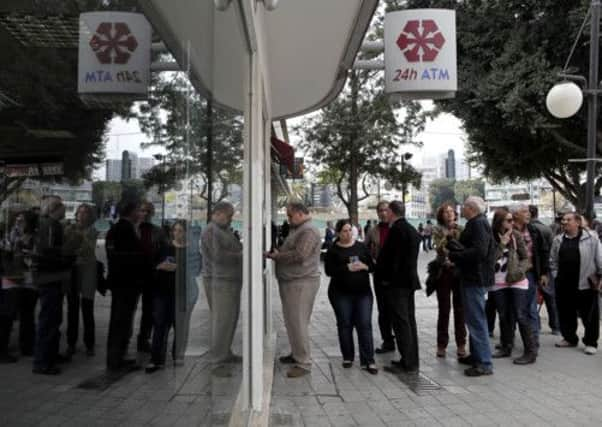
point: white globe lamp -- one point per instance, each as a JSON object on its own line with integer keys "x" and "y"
{"x": 564, "y": 100}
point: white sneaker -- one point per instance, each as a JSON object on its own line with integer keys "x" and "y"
{"x": 590, "y": 350}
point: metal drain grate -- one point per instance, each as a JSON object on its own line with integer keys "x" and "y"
{"x": 418, "y": 383}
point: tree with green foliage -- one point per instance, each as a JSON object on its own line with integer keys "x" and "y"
{"x": 209, "y": 146}
{"x": 45, "y": 119}
{"x": 468, "y": 187}
{"x": 509, "y": 56}
{"x": 442, "y": 191}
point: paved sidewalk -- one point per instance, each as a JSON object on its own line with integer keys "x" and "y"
{"x": 177, "y": 396}
{"x": 564, "y": 387}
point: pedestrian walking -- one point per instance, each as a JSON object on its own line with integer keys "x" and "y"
{"x": 348, "y": 264}
{"x": 298, "y": 272}
{"x": 474, "y": 254}
{"x": 428, "y": 236}
{"x": 576, "y": 265}
{"x": 398, "y": 274}
{"x": 447, "y": 285}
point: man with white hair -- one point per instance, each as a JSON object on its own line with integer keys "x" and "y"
{"x": 52, "y": 268}
{"x": 474, "y": 255}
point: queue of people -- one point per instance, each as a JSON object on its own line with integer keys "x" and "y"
{"x": 506, "y": 263}
{"x": 45, "y": 263}
{"x": 479, "y": 268}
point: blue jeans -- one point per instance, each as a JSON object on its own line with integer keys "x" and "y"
{"x": 48, "y": 334}
{"x": 164, "y": 304}
{"x": 476, "y": 321}
{"x": 549, "y": 297}
{"x": 512, "y": 305}
{"x": 354, "y": 311}
{"x": 532, "y": 306}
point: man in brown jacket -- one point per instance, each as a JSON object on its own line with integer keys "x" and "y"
{"x": 375, "y": 240}
{"x": 298, "y": 272}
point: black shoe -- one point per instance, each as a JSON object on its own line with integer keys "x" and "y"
{"x": 287, "y": 359}
{"x": 393, "y": 369}
{"x": 525, "y": 359}
{"x": 502, "y": 352}
{"x": 477, "y": 371}
{"x": 7, "y": 358}
{"x": 385, "y": 349}
{"x": 466, "y": 360}
{"x": 143, "y": 346}
{"x": 347, "y": 364}
{"x": 153, "y": 368}
{"x": 63, "y": 358}
{"x": 51, "y": 370}
{"x": 71, "y": 350}
{"x": 397, "y": 363}
{"x": 371, "y": 369}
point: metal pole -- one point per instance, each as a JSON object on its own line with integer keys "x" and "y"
{"x": 592, "y": 114}
{"x": 403, "y": 183}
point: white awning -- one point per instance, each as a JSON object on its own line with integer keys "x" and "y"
{"x": 308, "y": 46}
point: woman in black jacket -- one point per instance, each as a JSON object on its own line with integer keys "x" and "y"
{"x": 348, "y": 264}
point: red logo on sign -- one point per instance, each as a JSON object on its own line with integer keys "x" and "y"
{"x": 412, "y": 41}
{"x": 113, "y": 43}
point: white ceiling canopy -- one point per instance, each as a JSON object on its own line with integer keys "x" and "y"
{"x": 308, "y": 46}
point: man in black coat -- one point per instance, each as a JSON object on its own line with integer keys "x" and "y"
{"x": 125, "y": 258}
{"x": 475, "y": 258}
{"x": 397, "y": 272}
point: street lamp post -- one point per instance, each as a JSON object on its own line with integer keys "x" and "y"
{"x": 565, "y": 99}
{"x": 404, "y": 158}
{"x": 161, "y": 158}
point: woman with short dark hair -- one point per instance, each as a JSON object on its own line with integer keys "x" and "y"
{"x": 348, "y": 264}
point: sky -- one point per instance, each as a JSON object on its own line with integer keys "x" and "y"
{"x": 439, "y": 136}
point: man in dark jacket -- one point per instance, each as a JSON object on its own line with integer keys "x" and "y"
{"x": 548, "y": 289}
{"x": 152, "y": 239}
{"x": 125, "y": 258}
{"x": 52, "y": 272}
{"x": 396, "y": 269}
{"x": 475, "y": 258}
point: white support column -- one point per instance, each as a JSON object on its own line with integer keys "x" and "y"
{"x": 253, "y": 205}
{"x": 267, "y": 214}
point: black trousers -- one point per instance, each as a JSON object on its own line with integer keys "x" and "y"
{"x": 8, "y": 306}
{"x": 123, "y": 308}
{"x": 401, "y": 306}
{"x": 28, "y": 298}
{"x": 573, "y": 303}
{"x": 48, "y": 333}
{"x": 74, "y": 301}
{"x": 490, "y": 311}
{"x": 146, "y": 320}
{"x": 384, "y": 318}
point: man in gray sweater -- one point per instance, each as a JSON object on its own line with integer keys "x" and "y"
{"x": 298, "y": 272}
{"x": 222, "y": 279}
